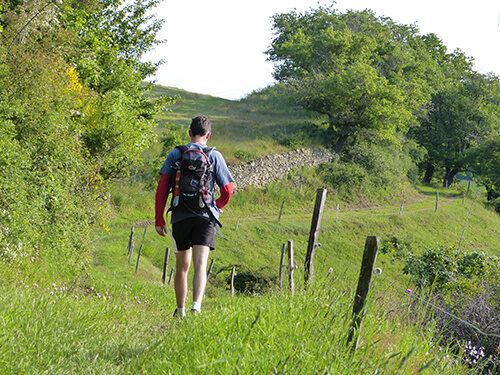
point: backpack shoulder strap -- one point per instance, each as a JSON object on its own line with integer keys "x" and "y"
{"x": 182, "y": 148}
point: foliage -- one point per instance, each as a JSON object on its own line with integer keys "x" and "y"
{"x": 438, "y": 267}
{"x": 369, "y": 171}
{"x": 484, "y": 160}
{"x": 462, "y": 115}
{"x": 362, "y": 72}
{"x": 73, "y": 115}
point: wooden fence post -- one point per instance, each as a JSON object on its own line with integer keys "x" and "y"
{"x": 140, "y": 249}
{"x": 365, "y": 276}
{"x": 165, "y": 264}
{"x": 232, "y": 280}
{"x": 170, "y": 277}
{"x": 210, "y": 268}
{"x": 281, "y": 211}
{"x": 401, "y": 209}
{"x": 282, "y": 261}
{"x": 131, "y": 245}
{"x": 437, "y": 200}
{"x": 130, "y": 240}
{"x": 319, "y": 206}
{"x": 337, "y": 213}
{"x": 237, "y": 223}
{"x": 291, "y": 266}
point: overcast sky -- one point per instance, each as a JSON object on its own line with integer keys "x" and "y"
{"x": 217, "y": 47}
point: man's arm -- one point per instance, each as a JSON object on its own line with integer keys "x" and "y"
{"x": 160, "y": 202}
{"x": 225, "y": 194}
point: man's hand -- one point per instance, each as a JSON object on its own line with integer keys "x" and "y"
{"x": 161, "y": 230}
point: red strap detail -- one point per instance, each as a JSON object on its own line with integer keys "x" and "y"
{"x": 177, "y": 178}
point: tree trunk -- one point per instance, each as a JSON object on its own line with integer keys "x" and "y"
{"x": 341, "y": 141}
{"x": 449, "y": 177}
{"x": 429, "y": 173}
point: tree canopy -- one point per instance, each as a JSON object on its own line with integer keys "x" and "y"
{"x": 364, "y": 73}
{"x": 376, "y": 79}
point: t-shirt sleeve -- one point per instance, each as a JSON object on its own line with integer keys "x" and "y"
{"x": 222, "y": 173}
{"x": 168, "y": 165}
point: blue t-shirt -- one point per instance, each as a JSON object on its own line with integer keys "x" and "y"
{"x": 222, "y": 177}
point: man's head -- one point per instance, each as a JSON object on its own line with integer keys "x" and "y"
{"x": 201, "y": 126}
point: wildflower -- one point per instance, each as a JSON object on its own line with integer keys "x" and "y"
{"x": 21, "y": 282}
{"x": 35, "y": 285}
{"x": 53, "y": 285}
{"x": 51, "y": 293}
{"x": 409, "y": 291}
{"x": 330, "y": 271}
{"x": 124, "y": 307}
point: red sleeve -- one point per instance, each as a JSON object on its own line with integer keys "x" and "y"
{"x": 225, "y": 194}
{"x": 161, "y": 199}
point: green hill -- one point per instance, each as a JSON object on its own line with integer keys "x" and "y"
{"x": 117, "y": 320}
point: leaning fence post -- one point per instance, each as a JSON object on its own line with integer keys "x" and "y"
{"x": 365, "y": 276}
{"x": 319, "y": 206}
{"x": 131, "y": 245}
{"x": 437, "y": 200}
{"x": 210, "y": 268}
{"x": 237, "y": 223}
{"x": 232, "y": 280}
{"x": 165, "y": 264}
{"x": 140, "y": 249}
{"x": 130, "y": 240}
{"x": 281, "y": 266}
{"x": 401, "y": 209}
{"x": 170, "y": 277}
{"x": 281, "y": 211}
{"x": 291, "y": 266}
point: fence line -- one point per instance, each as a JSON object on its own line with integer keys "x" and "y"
{"x": 291, "y": 267}
{"x": 378, "y": 272}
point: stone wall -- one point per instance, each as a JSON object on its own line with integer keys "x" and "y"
{"x": 261, "y": 172}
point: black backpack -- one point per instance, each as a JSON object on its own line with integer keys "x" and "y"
{"x": 193, "y": 179}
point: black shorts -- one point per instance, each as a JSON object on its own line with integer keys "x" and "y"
{"x": 194, "y": 231}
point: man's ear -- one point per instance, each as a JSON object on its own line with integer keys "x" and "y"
{"x": 209, "y": 134}
{"x": 190, "y": 133}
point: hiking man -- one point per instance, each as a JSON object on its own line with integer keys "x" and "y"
{"x": 193, "y": 228}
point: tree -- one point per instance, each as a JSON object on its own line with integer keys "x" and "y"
{"x": 362, "y": 72}
{"x": 463, "y": 113}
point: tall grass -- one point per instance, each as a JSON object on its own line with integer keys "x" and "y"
{"x": 128, "y": 329}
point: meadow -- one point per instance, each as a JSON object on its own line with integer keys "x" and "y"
{"x": 116, "y": 320}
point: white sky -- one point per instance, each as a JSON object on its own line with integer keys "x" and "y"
{"x": 216, "y": 47}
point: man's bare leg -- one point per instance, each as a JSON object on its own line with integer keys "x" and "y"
{"x": 200, "y": 261}
{"x": 182, "y": 263}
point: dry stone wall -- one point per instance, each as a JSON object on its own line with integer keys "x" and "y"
{"x": 261, "y": 172}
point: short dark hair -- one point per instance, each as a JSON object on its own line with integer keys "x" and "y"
{"x": 200, "y": 125}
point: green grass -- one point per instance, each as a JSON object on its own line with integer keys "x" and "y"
{"x": 114, "y": 320}
{"x": 242, "y": 130}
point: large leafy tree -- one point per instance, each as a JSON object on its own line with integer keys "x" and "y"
{"x": 73, "y": 114}
{"x": 364, "y": 73}
{"x": 463, "y": 113}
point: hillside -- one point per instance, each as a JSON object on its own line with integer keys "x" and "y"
{"x": 117, "y": 320}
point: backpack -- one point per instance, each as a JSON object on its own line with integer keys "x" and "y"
{"x": 193, "y": 179}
